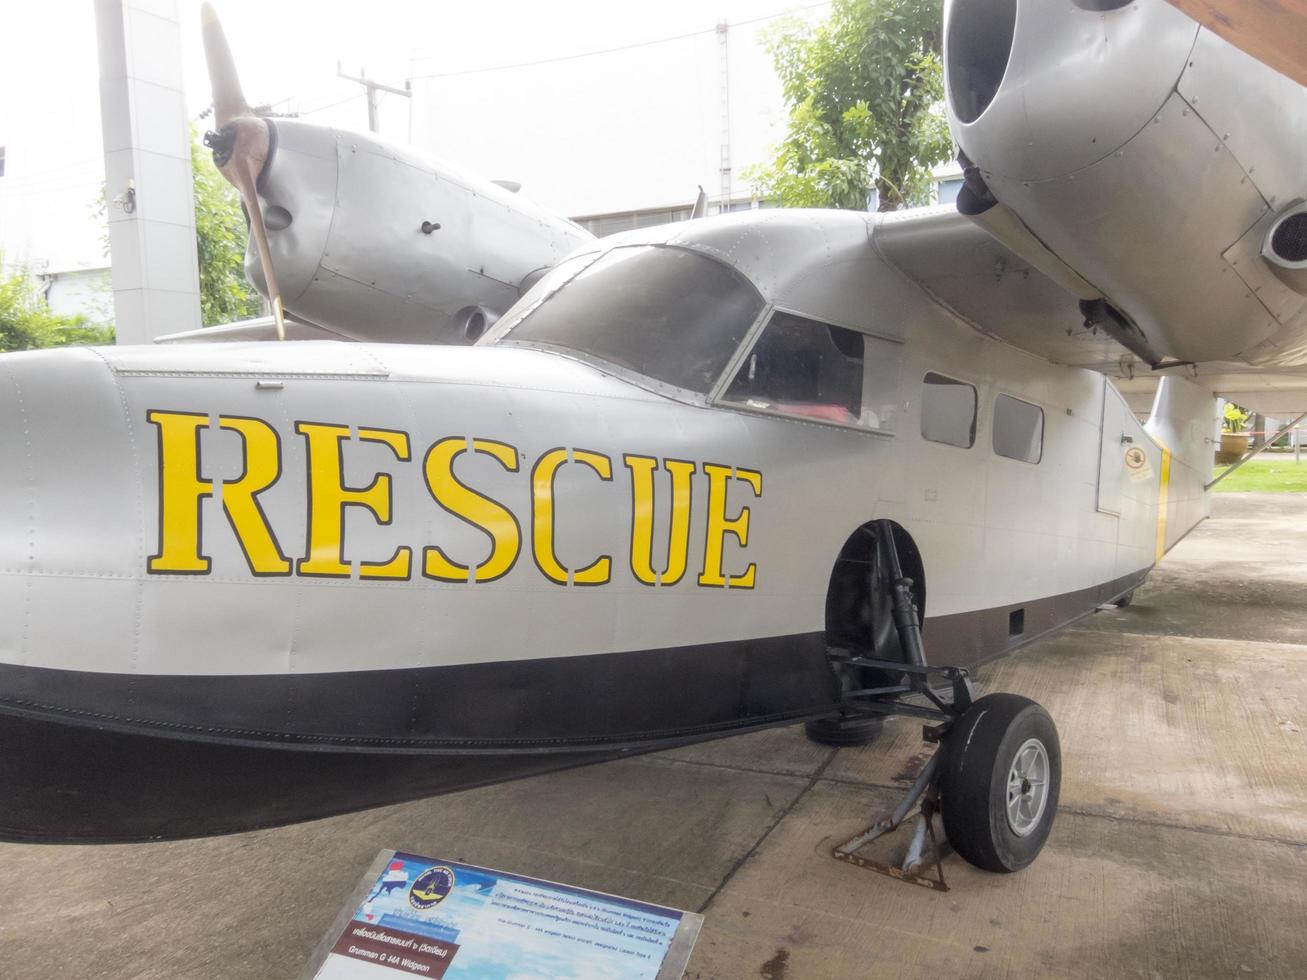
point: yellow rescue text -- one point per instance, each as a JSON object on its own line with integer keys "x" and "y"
{"x": 183, "y": 487}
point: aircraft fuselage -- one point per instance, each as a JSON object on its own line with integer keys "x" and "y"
{"x": 507, "y": 551}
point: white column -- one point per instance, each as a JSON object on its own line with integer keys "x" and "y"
{"x": 147, "y": 169}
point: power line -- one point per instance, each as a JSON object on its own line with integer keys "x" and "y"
{"x": 617, "y": 49}
{"x": 329, "y": 105}
{"x": 562, "y": 58}
{"x": 370, "y": 88}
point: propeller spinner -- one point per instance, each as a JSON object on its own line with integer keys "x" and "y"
{"x": 240, "y": 146}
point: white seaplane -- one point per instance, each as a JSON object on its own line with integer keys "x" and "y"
{"x": 699, "y": 479}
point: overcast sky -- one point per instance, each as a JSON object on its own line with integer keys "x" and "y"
{"x": 585, "y": 133}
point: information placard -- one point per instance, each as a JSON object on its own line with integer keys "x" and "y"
{"x": 430, "y": 917}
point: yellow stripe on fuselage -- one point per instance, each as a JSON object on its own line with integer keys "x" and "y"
{"x": 1163, "y": 495}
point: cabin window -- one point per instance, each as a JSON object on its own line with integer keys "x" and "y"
{"x": 670, "y": 314}
{"x": 817, "y": 371}
{"x": 948, "y": 411}
{"x": 1018, "y": 429}
{"x": 2, "y": 161}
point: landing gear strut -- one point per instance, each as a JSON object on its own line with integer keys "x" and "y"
{"x": 997, "y": 768}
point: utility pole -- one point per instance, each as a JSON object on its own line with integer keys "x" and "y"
{"x": 724, "y": 95}
{"x": 373, "y": 87}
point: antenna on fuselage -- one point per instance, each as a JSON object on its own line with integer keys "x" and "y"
{"x": 700, "y": 209}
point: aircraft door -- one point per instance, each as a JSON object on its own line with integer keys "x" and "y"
{"x": 1111, "y": 460}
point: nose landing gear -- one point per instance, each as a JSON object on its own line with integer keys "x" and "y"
{"x": 996, "y": 773}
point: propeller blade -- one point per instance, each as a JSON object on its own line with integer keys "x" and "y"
{"x": 244, "y": 175}
{"x": 228, "y": 99}
{"x": 240, "y": 147}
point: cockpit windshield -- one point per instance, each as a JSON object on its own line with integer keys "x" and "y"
{"x": 670, "y": 314}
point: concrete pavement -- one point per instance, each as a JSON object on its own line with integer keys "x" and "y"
{"x": 1180, "y": 849}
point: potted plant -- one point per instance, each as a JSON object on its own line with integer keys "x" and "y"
{"x": 1234, "y": 435}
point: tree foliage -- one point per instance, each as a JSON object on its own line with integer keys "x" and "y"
{"x": 865, "y": 91}
{"x": 220, "y": 234}
{"x": 27, "y": 322}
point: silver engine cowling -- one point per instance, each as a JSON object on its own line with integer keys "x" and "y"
{"x": 1147, "y": 154}
{"x": 376, "y": 242}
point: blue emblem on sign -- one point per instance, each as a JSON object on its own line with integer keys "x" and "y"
{"x": 431, "y": 887}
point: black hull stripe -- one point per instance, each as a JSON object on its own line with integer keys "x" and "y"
{"x": 68, "y": 784}
{"x": 972, "y": 638}
{"x": 78, "y": 779}
{"x": 605, "y": 702}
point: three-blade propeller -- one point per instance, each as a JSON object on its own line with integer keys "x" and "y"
{"x": 240, "y": 145}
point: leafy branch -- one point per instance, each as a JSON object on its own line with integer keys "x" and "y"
{"x": 865, "y": 91}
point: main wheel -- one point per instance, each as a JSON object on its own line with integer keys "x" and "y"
{"x": 999, "y": 783}
{"x": 845, "y": 730}
{"x": 1125, "y": 600}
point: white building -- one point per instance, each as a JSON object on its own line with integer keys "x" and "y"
{"x": 49, "y": 227}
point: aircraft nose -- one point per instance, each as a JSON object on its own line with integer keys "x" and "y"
{"x": 298, "y": 192}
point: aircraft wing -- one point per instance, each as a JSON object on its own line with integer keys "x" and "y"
{"x": 259, "y": 328}
{"x": 989, "y": 286}
{"x": 1273, "y": 33}
{"x": 986, "y": 284}
{"x": 1280, "y": 394}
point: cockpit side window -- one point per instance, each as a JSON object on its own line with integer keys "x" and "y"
{"x": 670, "y": 314}
{"x": 808, "y": 369}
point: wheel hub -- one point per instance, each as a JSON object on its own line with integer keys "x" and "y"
{"x": 1027, "y": 787}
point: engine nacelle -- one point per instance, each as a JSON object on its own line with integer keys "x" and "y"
{"x": 1059, "y": 87}
{"x": 376, "y": 242}
{"x": 1148, "y": 155}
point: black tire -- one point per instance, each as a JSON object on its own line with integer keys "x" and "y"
{"x": 1125, "y": 600}
{"x": 979, "y": 752}
{"x": 844, "y": 730}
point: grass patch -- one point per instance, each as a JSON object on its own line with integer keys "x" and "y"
{"x": 1265, "y": 474}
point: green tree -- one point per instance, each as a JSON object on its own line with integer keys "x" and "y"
{"x": 27, "y": 322}
{"x": 865, "y": 91}
{"x": 220, "y": 233}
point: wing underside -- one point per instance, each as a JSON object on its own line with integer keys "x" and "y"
{"x": 988, "y": 286}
